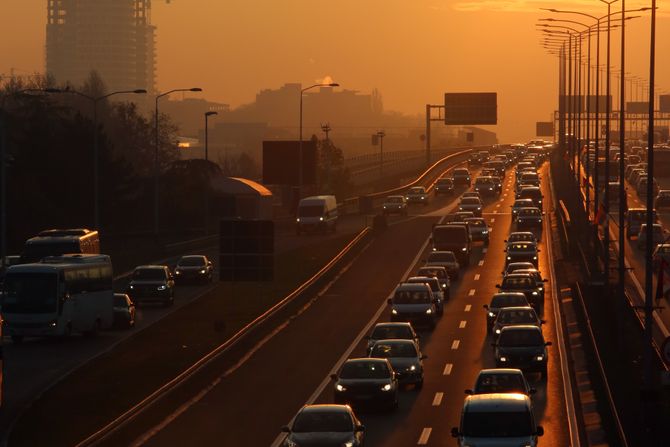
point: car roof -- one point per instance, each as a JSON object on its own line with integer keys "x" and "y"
{"x": 398, "y": 341}
{"x": 394, "y": 324}
{"x": 496, "y": 402}
{"x": 418, "y": 279}
{"x": 525, "y": 200}
{"x": 475, "y": 219}
{"x": 492, "y": 371}
{"x": 523, "y": 232}
{"x": 515, "y": 308}
{"x": 395, "y": 197}
{"x": 192, "y": 256}
{"x": 366, "y": 360}
{"x": 522, "y": 328}
{"x": 508, "y": 294}
{"x": 518, "y": 275}
{"x": 411, "y": 286}
{"x": 326, "y": 407}
{"x": 433, "y": 267}
{"x": 151, "y": 266}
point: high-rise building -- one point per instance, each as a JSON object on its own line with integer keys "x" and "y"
{"x": 113, "y": 37}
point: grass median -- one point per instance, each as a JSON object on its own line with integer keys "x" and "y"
{"x": 102, "y": 389}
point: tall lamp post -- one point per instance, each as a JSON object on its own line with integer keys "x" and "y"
{"x": 96, "y": 151}
{"x": 207, "y": 115}
{"x": 156, "y": 166}
{"x": 381, "y": 134}
{"x": 300, "y": 167}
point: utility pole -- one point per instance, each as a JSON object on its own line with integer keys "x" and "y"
{"x": 326, "y": 129}
{"x": 381, "y": 134}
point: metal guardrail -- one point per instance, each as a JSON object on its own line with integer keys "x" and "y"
{"x": 165, "y": 389}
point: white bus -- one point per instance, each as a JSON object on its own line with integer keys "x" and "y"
{"x": 59, "y": 296}
{"x": 57, "y": 242}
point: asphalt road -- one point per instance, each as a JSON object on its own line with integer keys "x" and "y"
{"x": 251, "y": 397}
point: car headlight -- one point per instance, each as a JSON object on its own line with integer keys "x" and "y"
{"x": 540, "y": 220}
{"x": 387, "y": 387}
{"x": 131, "y": 286}
{"x": 539, "y": 358}
{"x": 177, "y": 272}
{"x": 321, "y": 219}
{"x": 534, "y": 293}
{"x": 540, "y": 289}
{"x": 479, "y": 208}
{"x": 460, "y": 208}
{"x": 384, "y": 206}
{"x": 290, "y": 443}
{"x": 412, "y": 368}
{"x": 490, "y": 189}
{"x": 534, "y": 258}
{"x": 509, "y": 258}
{"x": 485, "y": 231}
{"x": 434, "y": 249}
{"x": 54, "y": 323}
{"x": 498, "y": 331}
{"x": 422, "y": 197}
{"x": 491, "y": 314}
{"x": 503, "y": 359}
{"x": 429, "y": 311}
{"x": 163, "y": 287}
{"x": 348, "y": 444}
{"x": 203, "y": 271}
{"x": 394, "y": 312}
{"x": 339, "y": 387}
{"x": 444, "y": 285}
{"x": 464, "y": 249}
{"x": 297, "y": 219}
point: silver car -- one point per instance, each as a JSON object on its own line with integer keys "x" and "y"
{"x": 514, "y": 316}
{"x": 446, "y": 259}
{"x": 479, "y": 231}
{"x": 417, "y": 194}
{"x": 384, "y": 331}
{"x": 395, "y": 205}
{"x": 405, "y": 357}
{"x": 471, "y": 204}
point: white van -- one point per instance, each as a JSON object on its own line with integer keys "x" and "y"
{"x": 500, "y": 419}
{"x": 316, "y": 213}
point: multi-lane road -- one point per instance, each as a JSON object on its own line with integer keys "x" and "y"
{"x": 251, "y": 395}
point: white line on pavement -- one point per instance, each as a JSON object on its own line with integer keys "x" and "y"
{"x": 477, "y": 277}
{"x": 481, "y": 263}
{"x": 425, "y": 434}
{"x": 493, "y": 219}
{"x": 462, "y": 324}
{"x": 455, "y": 344}
{"x": 437, "y": 400}
{"x": 471, "y": 292}
{"x": 447, "y": 369}
{"x": 468, "y": 307}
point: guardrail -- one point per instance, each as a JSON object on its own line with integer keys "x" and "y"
{"x": 165, "y": 389}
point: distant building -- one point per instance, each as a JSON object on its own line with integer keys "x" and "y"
{"x": 189, "y": 113}
{"x": 113, "y": 37}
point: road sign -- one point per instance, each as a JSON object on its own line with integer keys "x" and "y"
{"x": 664, "y": 103}
{"x": 638, "y": 107}
{"x": 665, "y": 350}
{"x": 470, "y": 108}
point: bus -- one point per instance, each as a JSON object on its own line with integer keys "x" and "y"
{"x": 59, "y": 296}
{"x": 57, "y": 242}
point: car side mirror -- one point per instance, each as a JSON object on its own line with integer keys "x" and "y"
{"x": 469, "y": 392}
{"x": 539, "y": 431}
{"x": 333, "y": 376}
{"x": 361, "y": 427}
{"x": 548, "y": 343}
{"x": 285, "y": 429}
{"x": 538, "y": 250}
{"x": 543, "y": 321}
{"x": 498, "y": 286}
{"x": 454, "y": 432}
{"x": 532, "y": 391}
{"x": 486, "y": 306}
{"x": 545, "y": 280}
{"x": 389, "y": 301}
{"x": 209, "y": 263}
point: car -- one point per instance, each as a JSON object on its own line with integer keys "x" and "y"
{"x": 635, "y": 217}
{"x": 461, "y": 176}
{"x": 474, "y": 194}
{"x": 642, "y": 186}
{"x": 194, "y": 268}
{"x": 461, "y": 216}
{"x": 520, "y": 203}
{"x": 327, "y": 424}
{"x": 414, "y": 303}
{"x": 662, "y": 199}
{"x": 436, "y": 271}
{"x": 659, "y": 233}
{"x": 522, "y": 252}
{"x": 528, "y": 178}
{"x": 635, "y": 175}
{"x": 151, "y": 283}
{"x": 529, "y": 217}
{"x": 316, "y": 214}
{"x": 471, "y": 204}
{"x": 446, "y": 259}
{"x": 531, "y": 192}
{"x": 440, "y": 293}
{"x": 124, "y": 311}
{"x": 497, "y": 419}
{"x": 522, "y": 165}
{"x": 405, "y": 357}
{"x": 417, "y": 194}
{"x": 522, "y": 347}
{"x": 385, "y": 331}
{"x": 514, "y": 316}
{"x": 500, "y": 301}
{"x": 521, "y": 236}
{"x": 537, "y": 276}
{"x": 454, "y": 237}
{"x": 395, "y": 205}
{"x": 444, "y": 185}
{"x": 662, "y": 252}
{"x": 366, "y": 381}
{"x": 486, "y": 186}
{"x": 524, "y": 283}
{"x": 501, "y": 380}
{"x": 479, "y": 231}
{"x": 514, "y": 266}
{"x": 474, "y": 159}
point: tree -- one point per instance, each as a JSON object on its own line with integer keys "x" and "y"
{"x": 333, "y": 176}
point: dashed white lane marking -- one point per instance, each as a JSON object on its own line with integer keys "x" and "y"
{"x": 497, "y": 205}
{"x": 471, "y": 292}
{"x": 437, "y": 400}
{"x": 468, "y": 307}
{"x": 425, "y": 434}
{"x": 462, "y": 324}
{"x": 455, "y": 344}
{"x": 493, "y": 219}
{"x": 481, "y": 263}
{"x": 447, "y": 369}
{"x": 477, "y": 277}
{"x": 504, "y": 195}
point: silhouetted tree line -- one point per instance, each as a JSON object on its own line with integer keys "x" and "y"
{"x": 50, "y": 164}
{"x": 333, "y": 176}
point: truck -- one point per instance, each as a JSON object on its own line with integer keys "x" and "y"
{"x": 453, "y": 237}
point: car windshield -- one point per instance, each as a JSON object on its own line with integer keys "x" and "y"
{"x": 394, "y": 200}
{"x": 520, "y": 316}
{"x": 484, "y": 181}
{"x": 322, "y": 421}
{"x": 461, "y": 172}
{"x": 522, "y": 203}
{"x": 192, "y": 261}
{"x": 500, "y": 383}
{"x": 521, "y": 247}
{"x": 387, "y": 350}
{"x": 520, "y": 338}
{"x": 477, "y": 223}
{"x": 365, "y": 370}
{"x": 449, "y": 233}
{"x": 411, "y": 297}
{"x": 470, "y": 201}
{"x": 516, "y": 237}
{"x": 445, "y": 256}
{"x": 149, "y": 274}
{"x": 120, "y": 300}
{"x": 310, "y": 210}
{"x": 444, "y": 181}
{"x": 388, "y": 332}
{"x": 529, "y": 212}
{"x": 508, "y": 301}
{"x": 517, "y": 283}
{"x": 432, "y": 283}
{"x": 432, "y": 272}
{"x": 30, "y": 293}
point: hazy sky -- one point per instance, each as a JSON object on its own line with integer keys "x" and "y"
{"x": 411, "y": 50}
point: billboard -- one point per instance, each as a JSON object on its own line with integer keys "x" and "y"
{"x": 572, "y": 103}
{"x": 638, "y": 107}
{"x": 602, "y": 103}
{"x": 544, "y": 129}
{"x": 664, "y": 103}
{"x": 470, "y": 108}
{"x": 281, "y": 163}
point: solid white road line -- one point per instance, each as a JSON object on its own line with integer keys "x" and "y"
{"x": 477, "y": 277}
{"x": 462, "y": 324}
{"x": 481, "y": 263}
{"x": 471, "y": 292}
{"x": 447, "y": 369}
{"x": 425, "y": 434}
{"x": 468, "y": 307}
{"x": 437, "y": 400}
{"x": 455, "y": 344}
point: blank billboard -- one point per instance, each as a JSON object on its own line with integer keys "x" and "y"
{"x": 572, "y": 103}
{"x": 281, "y": 163}
{"x": 470, "y": 108}
{"x": 638, "y": 107}
{"x": 544, "y": 129}
{"x": 664, "y": 103}
{"x": 602, "y": 103}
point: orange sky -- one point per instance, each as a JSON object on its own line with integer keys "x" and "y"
{"x": 412, "y": 50}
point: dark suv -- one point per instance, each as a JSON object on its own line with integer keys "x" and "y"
{"x": 152, "y": 283}
{"x": 522, "y": 347}
{"x": 462, "y": 177}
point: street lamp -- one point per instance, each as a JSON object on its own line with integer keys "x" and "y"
{"x": 381, "y": 134}
{"x": 207, "y": 115}
{"x": 156, "y": 168}
{"x": 300, "y": 168}
{"x": 96, "y": 152}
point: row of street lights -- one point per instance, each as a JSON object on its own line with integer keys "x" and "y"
{"x": 574, "y": 115}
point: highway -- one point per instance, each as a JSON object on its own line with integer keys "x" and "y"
{"x": 245, "y": 398}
